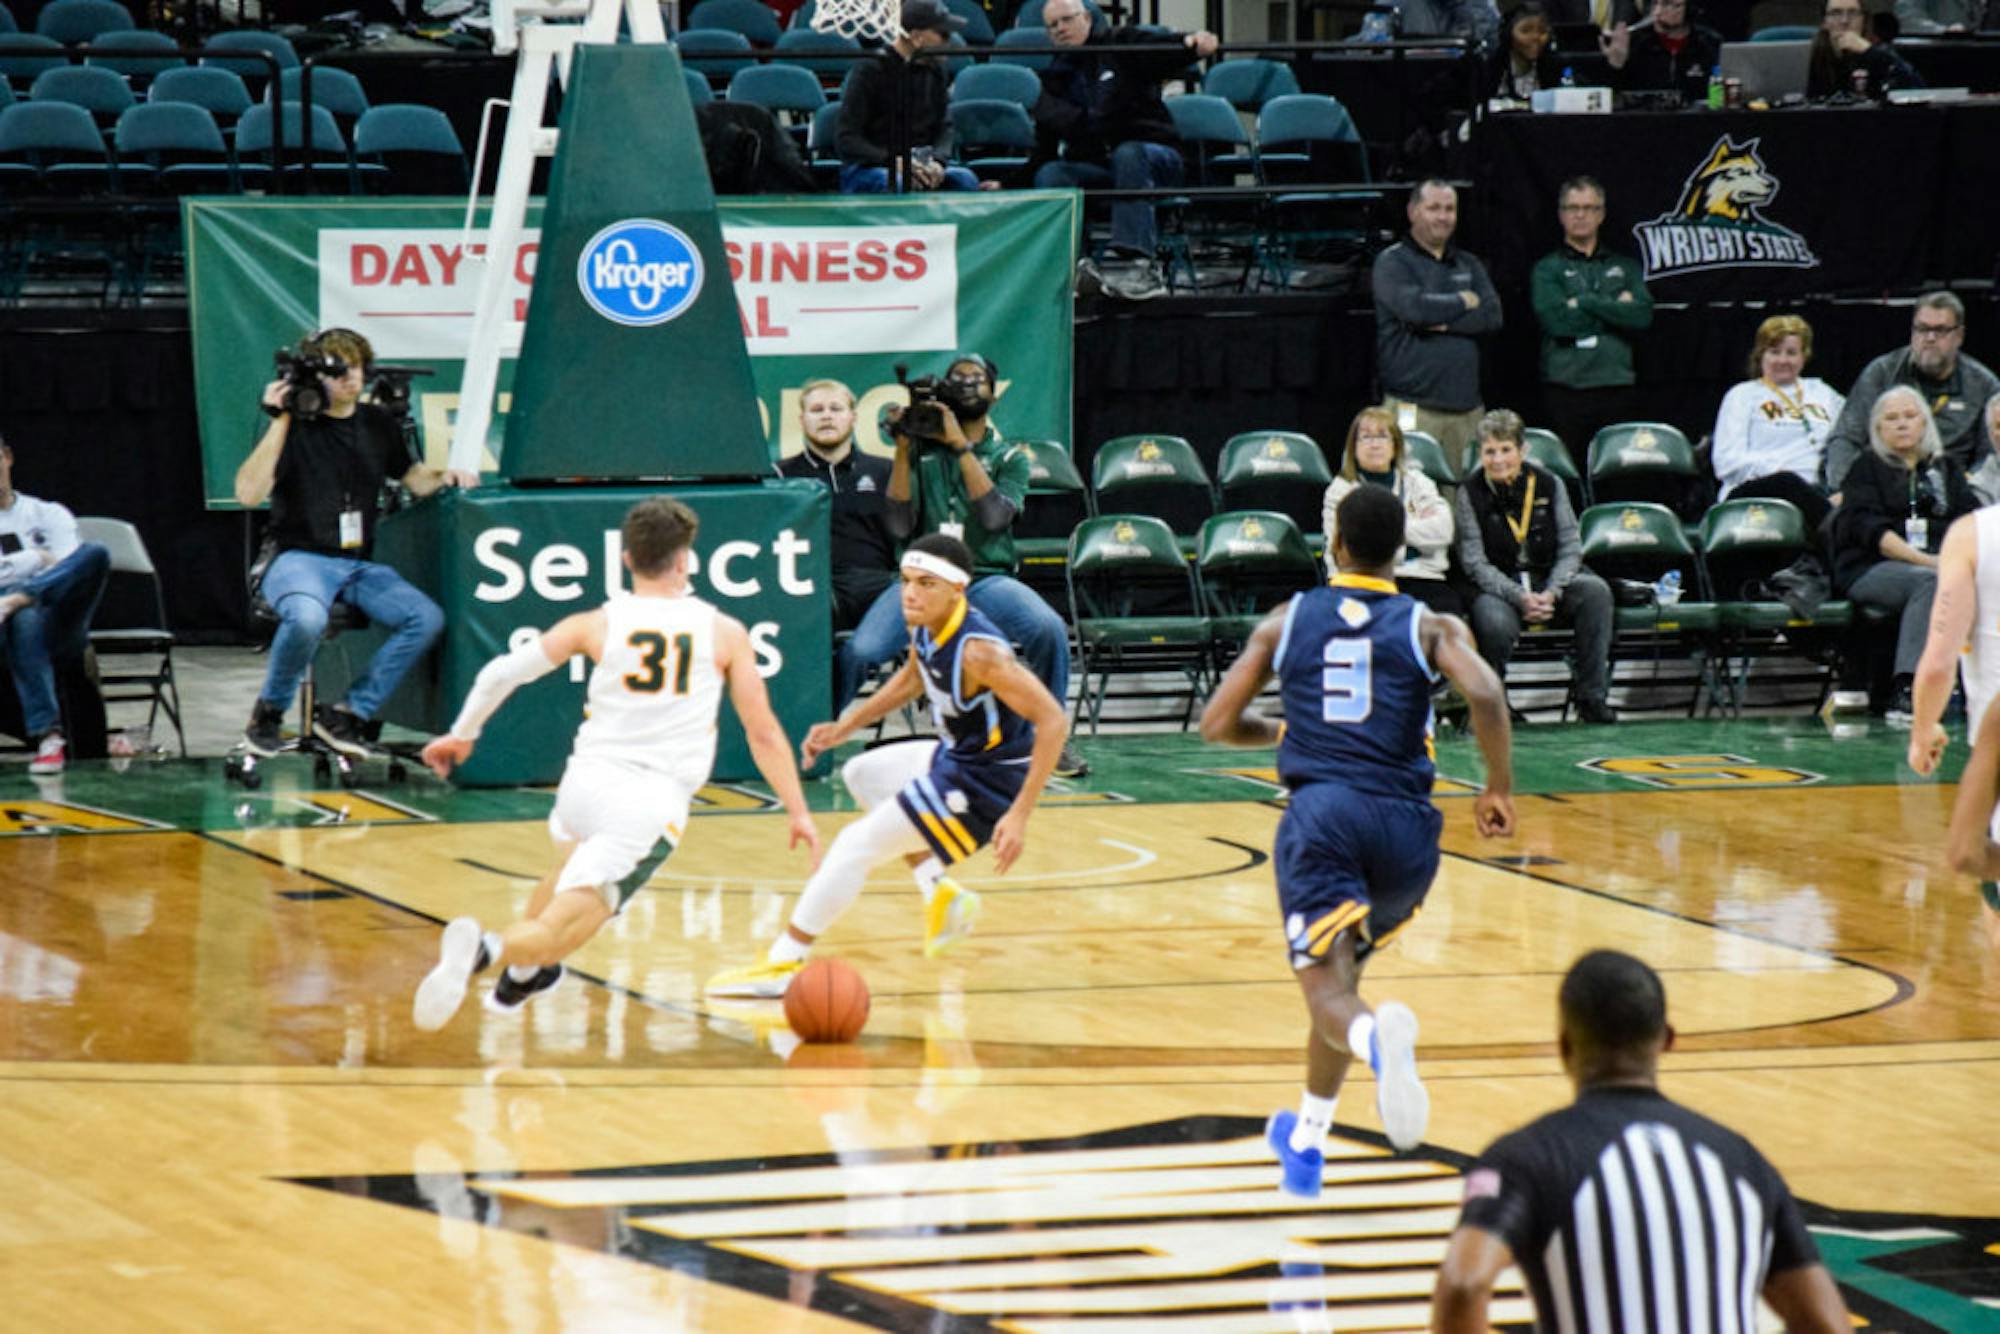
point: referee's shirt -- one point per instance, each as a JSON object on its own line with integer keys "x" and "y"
{"x": 1626, "y": 1211}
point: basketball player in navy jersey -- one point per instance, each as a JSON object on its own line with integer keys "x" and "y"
{"x": 1358, "y": 846}
{"x": 932, "y": 802}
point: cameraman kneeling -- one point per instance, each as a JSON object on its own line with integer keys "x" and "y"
{"x": 321, "y": 464}
{"x": 954, "y": 474}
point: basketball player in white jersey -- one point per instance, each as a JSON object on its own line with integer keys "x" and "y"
{"x": 645, "y": 747}
{"x": 1964, "y": 631}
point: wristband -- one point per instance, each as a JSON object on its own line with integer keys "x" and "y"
{"x": 272, "y": 411}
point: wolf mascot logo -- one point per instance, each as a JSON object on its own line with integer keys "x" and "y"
{"x": 1719, "y": 221}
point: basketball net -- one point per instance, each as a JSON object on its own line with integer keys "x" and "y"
{"x": 880, "y": 20}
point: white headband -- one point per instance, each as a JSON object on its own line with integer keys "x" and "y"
{"x": 937, "y": 565}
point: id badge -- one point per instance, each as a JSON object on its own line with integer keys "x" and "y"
{"x": 1406, "y": 416}
{"x": 1587, "y": 343}
{"x": 1918, "y": 532}
{"x": 350, "y": 529}
{"x": 956, "y": 530}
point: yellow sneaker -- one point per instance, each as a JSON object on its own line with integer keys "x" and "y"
{"x": 949, "y": 918}
{"x": 761, "y": 979}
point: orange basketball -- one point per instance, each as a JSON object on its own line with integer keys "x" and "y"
{"x": 827, "y": 1002}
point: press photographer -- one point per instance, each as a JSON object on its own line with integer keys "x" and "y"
{"x": 322, "y": 463}
{"x": 954, "y": 474}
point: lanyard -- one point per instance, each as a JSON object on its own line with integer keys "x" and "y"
{"x": 1796, "y": 408}
{"x": 1519, "y": 527}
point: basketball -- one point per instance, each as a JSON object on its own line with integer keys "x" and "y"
{"x": 827, "y": 1002}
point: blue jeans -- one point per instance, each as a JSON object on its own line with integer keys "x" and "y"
{"x": 858, "y": 180}
{"x": 1134, "y": 166}
{"x": 302, "y": 585}
{"x": 55, "y": 626}
{"x": 1017, "y": 609}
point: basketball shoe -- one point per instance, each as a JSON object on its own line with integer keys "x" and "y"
{"x": 1303, "y": 1168}
{"x": 461, "y": 953}
{"x": 763, "y": 979}
{"x": 949, "y": 916}
{"x": 1400, "y": 1098}
{"x": 510, "y": 995}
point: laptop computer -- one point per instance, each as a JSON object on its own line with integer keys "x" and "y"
{"x": 1769, "y": 70}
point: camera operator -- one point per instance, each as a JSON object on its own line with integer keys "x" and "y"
{"x": 954, "y": 474}
{"x": 321, "y": 464}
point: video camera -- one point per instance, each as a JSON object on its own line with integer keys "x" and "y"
{"x": 301, "y": 368}
{"x": 931, "y": 396}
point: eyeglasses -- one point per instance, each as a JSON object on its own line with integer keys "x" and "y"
{"x": 1583, "y": 208}
{"x": 1933, "y": 330}
{"x": 1056, "y": 21}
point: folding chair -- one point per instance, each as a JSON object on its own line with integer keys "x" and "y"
{"x": 1160, "y": 475}
{"x": 1133, "y": 603}
{"x": 1642, "y": 542}
{"x": 1246, "y": 563}
{"x": 134, "y": 588}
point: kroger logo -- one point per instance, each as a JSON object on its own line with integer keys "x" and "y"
{"x": 640, "y": 272}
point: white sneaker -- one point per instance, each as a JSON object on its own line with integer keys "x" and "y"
{"x": 443, "y": 989}
{"x": 763, "y": 980}
{"x": 1847, "y": 701}
{"x": 1400, "y": 1098}
{"x": 50, "y": 756}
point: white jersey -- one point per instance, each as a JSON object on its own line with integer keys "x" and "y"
{"x": 653, "y": 697}
{"x": 1979, "y": 668}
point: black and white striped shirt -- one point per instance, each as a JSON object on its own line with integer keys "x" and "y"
{"x": 1628, "y": 1212}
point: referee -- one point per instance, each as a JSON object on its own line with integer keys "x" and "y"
{"x": 1626, "y": 1211}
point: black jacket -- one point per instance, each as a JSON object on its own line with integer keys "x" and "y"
{"x": 1882, "y": 497}
{"x": 1095, "y": 98}
{"x": 869, "y": 105}
{"x": 1651, "y": 65}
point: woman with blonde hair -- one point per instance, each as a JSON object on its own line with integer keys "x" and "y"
{"x": 1895, "y": 505}
{"x": 1771, "y": 431}
{"x": 1375, "y": 455}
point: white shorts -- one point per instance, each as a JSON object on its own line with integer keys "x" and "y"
{"x": 623, "y": 822}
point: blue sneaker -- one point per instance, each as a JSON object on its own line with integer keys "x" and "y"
{"x": 1303, "y": 1168}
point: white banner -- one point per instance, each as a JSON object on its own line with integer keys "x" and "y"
{"x": 803, "y": 291}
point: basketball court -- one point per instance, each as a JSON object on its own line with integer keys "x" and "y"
{"x": 216, "y": 1112}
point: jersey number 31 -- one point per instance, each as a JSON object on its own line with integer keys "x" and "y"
{"x": 652, "y": 673}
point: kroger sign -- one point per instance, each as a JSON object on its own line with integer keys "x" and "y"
{"x": 640, "y": 272}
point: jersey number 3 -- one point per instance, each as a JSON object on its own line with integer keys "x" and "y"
{"x": 1347, "y": 690}
{"x": 652, "y": 673}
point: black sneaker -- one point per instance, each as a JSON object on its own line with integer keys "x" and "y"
{"x": 264, "y": 736}
{"x": 1901, "y": 712}
{"x": 1596, "y": 711}
{"x": 510, "y": 995}
{"x": 346, "y": 732}
{"x": 1069, "y": 764}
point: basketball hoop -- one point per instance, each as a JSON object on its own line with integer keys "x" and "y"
{"x": 863, "y": 20}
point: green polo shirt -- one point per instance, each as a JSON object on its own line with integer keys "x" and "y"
{"x": 937, "y": 485}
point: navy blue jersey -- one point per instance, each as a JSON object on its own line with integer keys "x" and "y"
{"x": 1357, "y": 690}
{"x": 979, "y": 729}
{"x": 983, "y": 760}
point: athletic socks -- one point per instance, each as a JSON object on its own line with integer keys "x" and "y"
{"x": 788, "y": 948}
{"x": 490, "y": 946}
{"x": 927, "y": 874}
{"x": 1361, "y": 1041}
{"x": 1315, "y": 1118}
{"x": 524, "y": 972}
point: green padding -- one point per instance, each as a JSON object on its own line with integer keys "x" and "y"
{"x": 1685, "y": 617}
{"x": 1144, "y": 630}
{"x": 500, "y": 560}
{"x": 1778, "y": 616}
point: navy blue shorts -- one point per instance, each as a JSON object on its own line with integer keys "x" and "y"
{"x": 1346, "y": 859}
{"x": 956, "y": 805}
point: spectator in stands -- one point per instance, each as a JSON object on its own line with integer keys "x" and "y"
{"x": 1476, "y": 19}
{"x": 863, "y": 554}
{"x": 1587, "y": 299}
{"x": 1771, "y": 431}
{"x": 1842, "y": 46}
{"x": 1606, "y": 14}
{"x": 1929, "y": 17}
{"x": 1524, "y": 64}
{"x": 1101, "y": 122}
{"x": 1954, "y": 387}
{"x": 896, "y": 102}
{"x": 1895, "y": 505}
{"x": 323, "y": 475}
{"x": 1518, "y": 544}
{"x": 954, "y": 474}
{"x": 1985, "y": 474}
{"x": 1432, "y": 300}
{"x": 1671, "y": 52}
{"x": 1375, "y": 454}
{"x": 49, "y": 586}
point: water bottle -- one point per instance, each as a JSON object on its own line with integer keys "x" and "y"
{"x": 1668, "y": 591}
{"x": 1569, "y": 77}
{"x": 1715, "y": 89}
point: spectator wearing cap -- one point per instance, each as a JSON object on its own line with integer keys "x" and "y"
{"x": 892, "y": 112}
{"x": 1101, "y": 122}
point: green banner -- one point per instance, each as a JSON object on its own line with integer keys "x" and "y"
{"x": 835, "y": 286}
{"x": 506, "y": 562}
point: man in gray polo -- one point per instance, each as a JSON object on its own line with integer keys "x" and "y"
{"x": 1956, "y": 387}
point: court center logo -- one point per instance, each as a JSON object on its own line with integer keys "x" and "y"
{"x": 1719, "y": 222}
{"x": 640, "y": 272}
